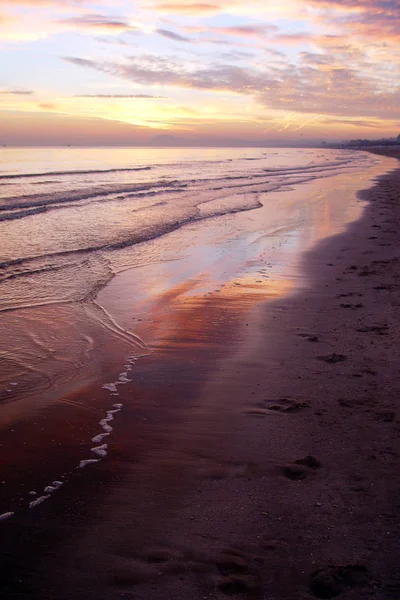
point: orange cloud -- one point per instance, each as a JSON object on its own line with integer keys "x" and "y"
{"x": 48, "y": 106}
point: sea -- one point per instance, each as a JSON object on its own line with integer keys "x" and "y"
{"x": 72, "y": 219}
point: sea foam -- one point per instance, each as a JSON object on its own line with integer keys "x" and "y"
{"x": 38, "y": 501}
{"x": 6, "y": 515}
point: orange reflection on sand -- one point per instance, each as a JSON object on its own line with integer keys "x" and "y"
{"x": 179, "y": 321}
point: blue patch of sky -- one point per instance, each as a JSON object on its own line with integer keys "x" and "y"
{"x": 38, "y": 65}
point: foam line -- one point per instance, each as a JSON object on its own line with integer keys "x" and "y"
{"x": 107, "y": 428}
{"x": 99, "y": 438}
{"x": 100, "y": 450}
{"x": 38, "y": 501}
{"x": 89, "y": 461}
{"x": 62, "y": 173}
{"x": 52, "y": 488}
{"x": 6, "y": 515}
{"x": 123, "y": 378}
{"x": 111, "y": 387}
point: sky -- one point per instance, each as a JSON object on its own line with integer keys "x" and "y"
{"x": 203, "y": 72}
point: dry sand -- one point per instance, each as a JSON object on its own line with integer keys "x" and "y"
{"x": 273, "y": 471}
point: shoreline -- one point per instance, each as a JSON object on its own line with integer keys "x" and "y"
{"x": 224, "y": 508}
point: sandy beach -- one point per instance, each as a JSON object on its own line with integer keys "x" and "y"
{"x": 264, "y": 468}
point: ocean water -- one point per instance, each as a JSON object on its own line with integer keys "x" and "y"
{"x": 72, "y": 219}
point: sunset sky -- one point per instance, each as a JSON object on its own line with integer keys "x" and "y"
{"x": 208, "y": 72}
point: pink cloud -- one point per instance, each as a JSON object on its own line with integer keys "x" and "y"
{"x": 376, "y": 18}
{"x": 321, "y": 86}
{"x": 257, "y": 31}
{"x": 97, "y": 21}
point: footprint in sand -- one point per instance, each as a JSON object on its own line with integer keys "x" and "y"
{"x": 333, "y": 358}
{"x": 281, "y": 405}
{"x": 352, "y": 306}
{"x": 334, "y": 580}
{"x": 379, "y": 329}
{"x": 300, "y": 469}
{"x": 349, "y": 294}
{"x": 238, "y": 576}
{"x": 309, "y": 461}
{"x": 385, "y": 416}
{"x": 390, "y": 287}
{"x": 308, "y": 336}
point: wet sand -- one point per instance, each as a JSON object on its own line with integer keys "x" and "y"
{"x": 267, "y": 468}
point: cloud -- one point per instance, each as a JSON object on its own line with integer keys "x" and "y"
{"x": 247, "y": 30}
{"x": 354, "y": 123}
{"x": 313, "y": 59}
{"x": 363, "y": 17}
{"x": 48, "y": 106}
{"x": 160, "y": 71}
{"x": 117, "y": 96}
{"x": 173, "y": 36}
{"x": 236, "y": 55}
{"x": 293, "y": 39}
{"x": 329, "y": 88}
{"x": 189, "y": 8}
{"x": 332, "y": 90}
{"x": 16, "y": 92}
{"x": 332, "y": 59}
{"x": 98, "y": 22}
{"x": 377, "y": 18}
{"x": 26, "y": 26}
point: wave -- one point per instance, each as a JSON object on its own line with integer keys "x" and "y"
{"x": 11, "y": 176}
{"x": 20, "y": 214}
{"x": 22, "y": 268}
{"x": 36, "y": 200}
{"x": 10, "y": 216}
{"x": 31, "y": 203}
{"x": 238, "y": 192}
{"x": 79, "y": 172}
{"x": 319, "y": 167}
